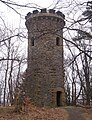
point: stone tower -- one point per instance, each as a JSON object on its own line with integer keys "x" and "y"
{"x": 45, "y": 57}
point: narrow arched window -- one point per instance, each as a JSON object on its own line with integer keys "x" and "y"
{"x": 57, "y": 41}
{"x": 32, "y": 41}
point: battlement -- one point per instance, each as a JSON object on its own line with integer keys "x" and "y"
{"x": 45, "y": 12}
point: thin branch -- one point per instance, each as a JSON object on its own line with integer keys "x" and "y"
{"x": 74, "y": 58}
{"x": 74, "y": 29}
{"x": 2, "y": 59}
{"x": 15, "y": 4}
{"x": 17, "y": 35}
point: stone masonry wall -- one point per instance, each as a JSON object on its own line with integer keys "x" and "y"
{"x": 45, "y": 57}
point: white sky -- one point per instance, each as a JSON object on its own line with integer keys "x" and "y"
{"x": 13, "y": 20}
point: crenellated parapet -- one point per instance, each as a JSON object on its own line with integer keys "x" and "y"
{"x": 45, "y": 12}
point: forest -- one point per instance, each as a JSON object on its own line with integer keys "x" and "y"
{"x": 77, "y": 36}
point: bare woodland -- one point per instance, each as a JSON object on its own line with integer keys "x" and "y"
{"x": 77, "y": 51}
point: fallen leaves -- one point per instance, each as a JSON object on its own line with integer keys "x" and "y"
{"x": 88, "y": 113}
{"x": 33, "y": 113}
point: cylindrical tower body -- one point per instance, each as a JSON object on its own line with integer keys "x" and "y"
{"x": 45, "y": 57}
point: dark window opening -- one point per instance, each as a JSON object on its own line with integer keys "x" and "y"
{"x": 57, "y": 41}
{"x": 32, "y": 41}
{"x": 58, "y": 98}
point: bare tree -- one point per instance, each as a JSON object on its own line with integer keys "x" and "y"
{"x": 79, "y": 75}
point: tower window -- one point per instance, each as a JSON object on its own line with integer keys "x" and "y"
{"x": 32, "y": 41}
{"x": 57, "y": 41}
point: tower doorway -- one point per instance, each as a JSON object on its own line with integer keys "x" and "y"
{"x": 58, "y": 98}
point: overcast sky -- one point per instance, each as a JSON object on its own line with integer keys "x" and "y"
{"x": 12, "y": 19}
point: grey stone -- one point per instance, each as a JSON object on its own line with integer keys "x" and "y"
{"x": 45, "y": 59}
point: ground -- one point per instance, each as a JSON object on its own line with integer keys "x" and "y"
{"x": 36, "y": 113}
